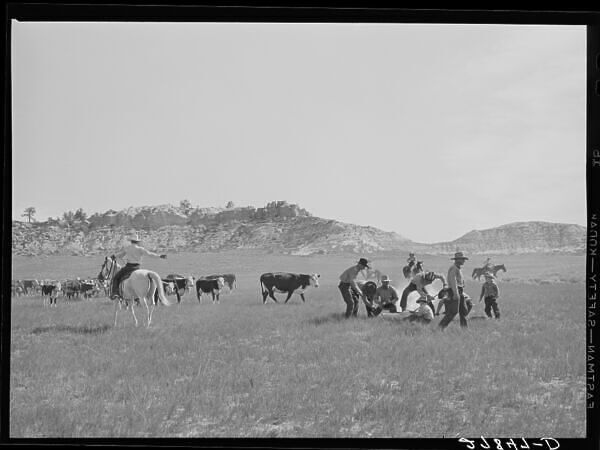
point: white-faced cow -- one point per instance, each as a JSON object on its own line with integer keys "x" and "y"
{"x": 181, "y": 285}
{"x": 209, "y": 287}
{"x": 229, "y": 278}
{"x": 286, "y": 283}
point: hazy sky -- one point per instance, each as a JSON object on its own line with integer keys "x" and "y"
{"x": 427, "y": 130}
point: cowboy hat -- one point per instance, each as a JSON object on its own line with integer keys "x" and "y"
{"x": 459, "y": 255}
{"x": 385, "y": 278}
{"x": 134, "y": 237}
{"x": 364, "y": 262}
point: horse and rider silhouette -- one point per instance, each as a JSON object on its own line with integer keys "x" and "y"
{"x": 478, "y": 272}
{"x": 412, "y": 268}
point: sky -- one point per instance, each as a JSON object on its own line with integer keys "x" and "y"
{"x": 428, "y": 130}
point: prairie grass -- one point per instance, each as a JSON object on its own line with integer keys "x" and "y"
{"x": 244, "y": 369}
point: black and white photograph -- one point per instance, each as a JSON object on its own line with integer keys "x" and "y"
{"x": 298, "y": 229}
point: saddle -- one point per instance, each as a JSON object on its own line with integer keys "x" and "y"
{"x": 124, "y": 275}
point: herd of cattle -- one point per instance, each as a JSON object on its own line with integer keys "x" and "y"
{"x": 88, "y": 288}
{"x": 173, "y": 284}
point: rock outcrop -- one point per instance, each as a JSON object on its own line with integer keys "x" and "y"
{"x": 278, "y": 227}
{"x": 520, "y": 237}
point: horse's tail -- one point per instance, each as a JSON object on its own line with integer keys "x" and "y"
{"x": 154, "y": 278}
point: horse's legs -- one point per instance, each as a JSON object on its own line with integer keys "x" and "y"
{"x": 133, "y": 312}
{"x": 117, "y": 307}
{"x": 148, "y": 312}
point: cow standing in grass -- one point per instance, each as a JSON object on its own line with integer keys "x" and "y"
{"x": 286, "y": 283}
{"x": 30, "y": 286}
{"x": 204, "y": 286}
{"x": 51, "y": 289}
{"x": 180, "y": 284}
{"x": 229, "y": 279}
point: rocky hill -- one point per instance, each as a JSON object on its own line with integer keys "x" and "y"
{"x": 520, "y": 237}
{"x": 279, "y": 227}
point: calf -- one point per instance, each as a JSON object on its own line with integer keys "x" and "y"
{"x": 286, "y": 283}
{"x": 368, "y": 288}
{"x": 209, "y": 286}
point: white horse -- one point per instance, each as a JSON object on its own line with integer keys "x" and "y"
{"x": 141, "y": 285}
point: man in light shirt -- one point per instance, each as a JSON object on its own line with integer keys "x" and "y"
{"x": 456, "y": 303}
{"x": 133, "y": 255}
{"x": 348, "y": 284}
{"x": 423, "y": 314}
{"x": 418, "y": 283}
{"x": 386, "y": 295}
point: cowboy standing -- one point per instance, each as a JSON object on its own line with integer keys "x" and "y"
{"x": 348, "y": 285}
{"x": 133, "y": 255}
{"x": 418, "y": 284}
{"x": 489, "y": 293}
{"x": 385, "y": 295}
{"x": 456, "y": 303}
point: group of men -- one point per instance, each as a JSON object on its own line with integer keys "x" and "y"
{"x": 452, "y": 295}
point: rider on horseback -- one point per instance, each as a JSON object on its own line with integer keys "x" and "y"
{"x": 133, "y": 255}
{"x": 488, "y": 266}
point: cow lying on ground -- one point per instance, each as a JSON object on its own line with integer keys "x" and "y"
{"x": 229, "y": 279}
{"x": 209, "y": 286}
{"x": 445, "y": 294}
{"x": 286, "y": 283}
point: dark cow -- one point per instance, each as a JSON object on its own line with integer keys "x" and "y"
{"x": 229, "y": 279}
{"x": 181, "y": 284}
{"x": 209, "y": 286}
{"x": 87, "y": 288}
{"x": 368, "y": 288}
{"x": 286, "y": 283}
{"x": 72, "y": 288}
{"x": 51, "y": 289}
{"x": 30, "y": 286}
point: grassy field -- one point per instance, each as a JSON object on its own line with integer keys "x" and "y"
{"x": 244, "y": 369}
